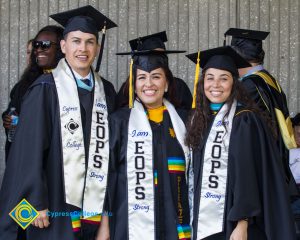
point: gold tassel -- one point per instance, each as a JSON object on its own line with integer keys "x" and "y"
{"x": 131, "y": 85}
{"x": 196, "y": 80}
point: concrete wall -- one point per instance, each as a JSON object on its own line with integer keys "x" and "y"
{"x": 190, "y": 25}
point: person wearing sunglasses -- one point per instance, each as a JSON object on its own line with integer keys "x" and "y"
{"x": 45, "y": 51}
{"x": 49, "y": 58}
{"x": 44, "y": 56}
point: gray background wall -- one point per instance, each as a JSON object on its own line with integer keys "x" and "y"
{"x": 190, "y": 25}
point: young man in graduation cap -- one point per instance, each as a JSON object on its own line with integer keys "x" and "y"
{"x": 59, "y": 159}
{"x": 150, "y": 42}
{"x": 264, "y": 89}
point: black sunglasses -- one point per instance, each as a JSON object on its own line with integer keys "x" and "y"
{"x": 43, "y": 44}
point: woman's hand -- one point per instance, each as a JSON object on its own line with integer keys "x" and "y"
{"x": 240, "y": 231}
{"x": 42, "y": 221}
{"x": 103, "y": 232}
{"x": 6, "y": 121}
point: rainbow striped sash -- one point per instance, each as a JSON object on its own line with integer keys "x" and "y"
{"x": 184, "y": 232}
{"x": 78, "y": 219}
{"x": 176, "y": 165}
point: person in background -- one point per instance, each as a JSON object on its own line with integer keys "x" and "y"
{"x": 28, "y": 51}
{"x": 295, "y": 164}
{"x": 157, "y": 42}
{"x": 59, "y": 159}
{"x": 296, "y": 127}
{"x": 147, "y": 183}
{"x": 44, "y": 56}
{"x": 236, "y": 182}
{"x": 265, "y": 90}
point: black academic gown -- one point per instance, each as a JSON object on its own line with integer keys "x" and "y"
{"x": 16, "y": 96}
{"x": 255, "y": 187}
{"x": 183, "y": 95}
{"x": 267, "y": 98}
{"x": 35, "y": 169}
{"x": 165, "y": 217}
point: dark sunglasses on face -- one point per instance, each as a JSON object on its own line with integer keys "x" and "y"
{"x": 43, "y": 44}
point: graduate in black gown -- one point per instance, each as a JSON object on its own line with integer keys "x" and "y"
{"x": 150, "y": 42}
{"x": 265, "y": 90}
{"x": 236, "y": 177}
{"x": 60, "y": 152}
{"x": 43, "y": 58}
{"x": 147, "y": 186}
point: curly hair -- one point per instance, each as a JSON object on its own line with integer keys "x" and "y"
{"x": 199, "y": 117}
{"x": 170, "y": 95}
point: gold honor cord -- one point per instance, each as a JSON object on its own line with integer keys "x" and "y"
{"x": 285, "y": 124}
{"x": 269, "y": 81}
{"x": 286, "y": 129}
{"x": 131, "y": 85}
{"x": 196, "y": 80}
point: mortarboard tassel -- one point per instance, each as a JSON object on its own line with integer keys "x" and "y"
{"x": 196, "y": 80}
{"x": 131, "y": 85}
{"x": 101, "y": 49}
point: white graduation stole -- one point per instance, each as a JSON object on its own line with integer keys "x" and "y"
{"x": 84, "y": 189}
{"x": 140, "y": 184}
{"x": 214, "y": 175}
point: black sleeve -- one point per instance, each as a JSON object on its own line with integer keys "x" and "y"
{"x": 257, "y": 93}
{"x": 259, "y": 189}
{"x": 243, "y": 175}
{"x": 24, "y": 175}
{"x": 14, "y": 101}
{"x": 118, "y": 125}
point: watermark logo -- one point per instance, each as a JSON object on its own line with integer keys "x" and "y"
{"x": 24, "y": 214}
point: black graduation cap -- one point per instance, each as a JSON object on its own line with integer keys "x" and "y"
{"x": 249, "y": 42}
{"x": 154, "y": 42}
{"x": 149, "y": 52}
{"x": 86, "y": 19}
{"x": 149, "y": 42}
{"x": 224, "y": 58}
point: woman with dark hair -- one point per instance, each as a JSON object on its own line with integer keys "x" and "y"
{"x": 28, "y": 51}
{"x": 45, "y": 55}
{"x": 147, "y": 183}
{"x": 237, "y": 184}
{"x": 157, "y": 42}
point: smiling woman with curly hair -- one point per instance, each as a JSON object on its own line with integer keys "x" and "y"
{"x": 235, "y": 178}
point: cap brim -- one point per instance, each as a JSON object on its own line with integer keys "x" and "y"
{"x": 246, "y": 33}
{"x": 146, "y": 52}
